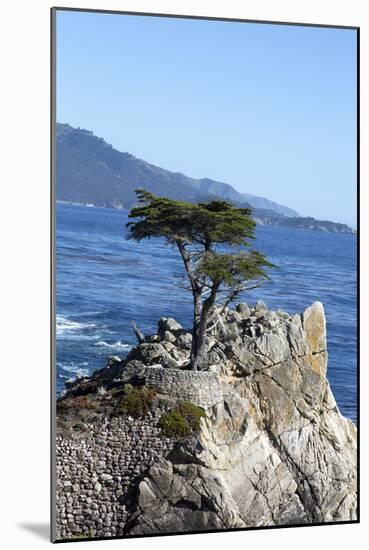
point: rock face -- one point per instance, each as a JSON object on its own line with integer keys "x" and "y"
{"x": 273, "y": 448}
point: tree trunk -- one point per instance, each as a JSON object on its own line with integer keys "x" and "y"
{"x": 201, "y": 317}
{"x": 198, "y": 351}
{"x": 197, "y": 308}
{"x": 201, "y": 309}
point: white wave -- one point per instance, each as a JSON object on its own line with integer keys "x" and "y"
{"x": 77, "y": 370}
{"x": 117, "y": 345}
{"x": 67, "y": 326}
{"x": 78, "y": 375}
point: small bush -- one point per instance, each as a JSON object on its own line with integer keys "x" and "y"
{"x": 79, "y": 403}
{"x": 181, "y": 421}
{"x": 174, "y": 424}
{"x": 192, "y": 413}
{"x": 136, "y": 401}
{"x": 83, "y": 402}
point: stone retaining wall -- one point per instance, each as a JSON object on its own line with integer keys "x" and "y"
{"x": 201, "y": 388}
{"x": 94, "y": 471}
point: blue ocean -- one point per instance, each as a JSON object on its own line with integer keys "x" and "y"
{"x": 105, "y": 281}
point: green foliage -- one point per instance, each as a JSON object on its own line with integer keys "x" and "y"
{"x": 173, "y": 424}
{"x": 192, "y": 414}
{"x": 204, "y": 223}
{"x": 181, "y": 421}
{"x": 233, "y": 269}
{"x": 137, "y": 401}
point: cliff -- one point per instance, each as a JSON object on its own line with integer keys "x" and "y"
{"x": 270, "y": 446}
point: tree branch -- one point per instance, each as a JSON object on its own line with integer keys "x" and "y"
{"x": 236, "y": 291}
{"x": 139, "y": 335}
{"x": 187, "y": 263}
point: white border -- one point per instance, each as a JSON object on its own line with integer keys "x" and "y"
{"x": 25, "y": 267}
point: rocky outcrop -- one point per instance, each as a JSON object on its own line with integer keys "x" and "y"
{"x": 273, "y": 448}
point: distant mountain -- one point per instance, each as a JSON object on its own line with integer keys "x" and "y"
{"x": 268, "y": 217}
{"x": 266, "y": 204}
{"x": 90, "y": 171}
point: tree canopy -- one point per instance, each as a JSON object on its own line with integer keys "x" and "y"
{"x": 204, "y": 234}
{"x": 204, "y": 223}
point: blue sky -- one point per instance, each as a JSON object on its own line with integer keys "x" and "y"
{"x": 270, "y": 109}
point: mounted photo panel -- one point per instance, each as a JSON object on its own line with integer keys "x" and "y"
{"x": 205, "y": 274}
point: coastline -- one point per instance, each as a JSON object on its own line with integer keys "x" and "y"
{"x": 317, "y": 225}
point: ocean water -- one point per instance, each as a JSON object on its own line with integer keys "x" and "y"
{"x": 105, "y": 281}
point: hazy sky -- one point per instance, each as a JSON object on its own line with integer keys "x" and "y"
{"x": 270, "y": 109}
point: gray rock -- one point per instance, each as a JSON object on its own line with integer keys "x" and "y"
{"x": 151, "y": 354}
{"x": 106, "y": 477}
{"x": 114, "y": 359}
{"x": 167, "y": 323}
{"x": 243, "y": 309}
{"x": 185, "y": 340}
{"x": 152, "y": 338}
{"x": 169, "y": 336}
{"x": 274, "y": 451}
{"x": 97, "y": 487}
{"x": 261, "y": 306}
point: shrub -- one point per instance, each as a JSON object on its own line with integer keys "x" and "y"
{"x": 78, "y": 403}
{"x": 83, "y": 402}
{"x": 182, "y": 420}
{"x": 192, "y": 413}
{"x": 137, "y": 401}
{"x": 174, "y": 424}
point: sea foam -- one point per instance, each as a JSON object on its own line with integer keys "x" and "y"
{"x": 116, "y": 345}
{"x": 67, "y": 326}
